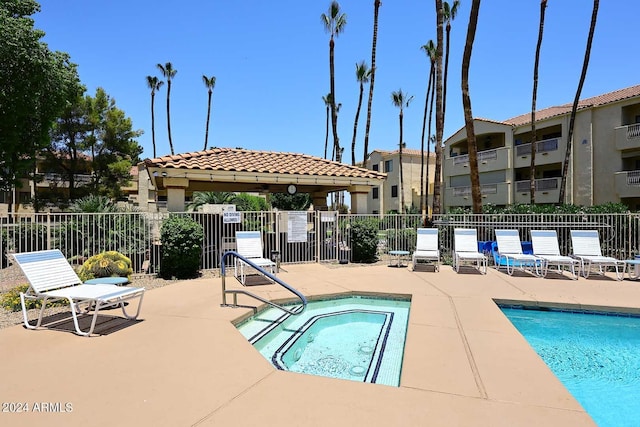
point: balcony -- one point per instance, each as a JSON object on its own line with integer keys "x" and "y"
{"x": 497, "y": 194}
{"x": 628, "y": 137}
{"x": 58, "y": 180}
{"x": 627, "y": 183}
{"x": 488, "y": 160}
{"x": 548, "y": 151}
{"x": 547, "y": 191}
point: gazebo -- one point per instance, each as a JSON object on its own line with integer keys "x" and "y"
{"x": 240, "y": 170}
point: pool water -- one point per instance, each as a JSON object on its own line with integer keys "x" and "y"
{"x": 356, "y": 338}
{"x": 596, "y": 356}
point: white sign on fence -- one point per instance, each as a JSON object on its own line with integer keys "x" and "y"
{"x": 297, "y": 227}
{"x": 231, "y": 217}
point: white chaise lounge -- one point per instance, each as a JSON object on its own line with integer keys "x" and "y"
{"x": 510, "y": 249}
{"x": 545, "y": 245}
{"x": 586, "y": 249}
{"x": 427, "y": 247}
{"x": 249, "y": 246}
{"x": 51, "y": 278}
{"x": 465, "y": 249}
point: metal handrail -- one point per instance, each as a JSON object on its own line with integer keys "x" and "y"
{"x": 235, "y": 292}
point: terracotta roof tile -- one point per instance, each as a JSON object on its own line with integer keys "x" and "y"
{"x": 240, "y": 160}
{"x": 595, "y": 101}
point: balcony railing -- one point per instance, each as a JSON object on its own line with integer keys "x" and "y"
{"x": 633, "y": 178}
{"x": 482, "y": 156}
{"x": 484, "y": 189}
{"x": 544, "y": 146}
{"x": 81, "y": 179}
{"x": 545, "y": 184}
{"x": 633, "y": 131}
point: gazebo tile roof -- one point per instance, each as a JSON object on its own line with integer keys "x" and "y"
{"x": 241, "y": 160}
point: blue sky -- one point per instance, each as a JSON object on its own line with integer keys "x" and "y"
{"x": 272, "y": 65}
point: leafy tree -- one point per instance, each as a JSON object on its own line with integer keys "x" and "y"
{"x": 376, "y": 8}
{"x": 363, "y": 72}
{"x": 247, "y": 202}
{"x": 93, "y": 134}
{"x": 402, "y": 101}
{"x": 210, "y": 83}
{"x": 154, "y": 84}
{"x": 472, "y": 145}
{"x": 289, "y": 202}
{"x": 35, "y": 84}
{"x": 334, "y": 22}
{"x": 574, "y": 108}
{"x": 169, "y": 73}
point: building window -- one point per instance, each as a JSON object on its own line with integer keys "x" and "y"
{"x": 388, "y": 166}
{"x": 394, "y": 191}
{"x": 375, "y": 192}
{"x": 376, "y": 167}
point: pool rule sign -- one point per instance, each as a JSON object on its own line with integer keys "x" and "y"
{"x": 231, "y": 217}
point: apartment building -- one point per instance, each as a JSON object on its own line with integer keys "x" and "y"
{"x": 604, "y": 164}
{"x": 386, "y": 197}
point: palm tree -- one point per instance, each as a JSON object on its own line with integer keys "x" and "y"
{"x": 449, "y": 13}
{"x": 430, "y": 50}
{"x": 583, "y": 75}
{"x": 169, "y": 73}
{"x": 334, "y": 22}
{"x": 210, "y": 83}
{"x": 154, "y": 84}
{"x": 532, "y": 168}
{"x": 327, "y": 103}
{"x": 376, "y": 7}
{"x": 210, "y": 197}
{"x": 439, "y": 103}
{"x": 472, "y": 145}
{"x": 363, "y": 72}
{"x": 402, "y": 101}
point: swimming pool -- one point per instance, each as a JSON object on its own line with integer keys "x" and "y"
{"x": 596, "y": 356}
{"x": 359, "y": 338}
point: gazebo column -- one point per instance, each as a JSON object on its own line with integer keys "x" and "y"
{"x": 176, "y": 193}
{"x": 319, "y": 200}
{"x": 359, "y": 194}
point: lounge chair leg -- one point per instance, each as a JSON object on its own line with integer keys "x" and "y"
{"x": 124, "y": 310}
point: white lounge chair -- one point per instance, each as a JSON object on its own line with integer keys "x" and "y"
{"x": 465, "y": 249}
{"x": 249, "y": 246}
{"x": 586, "y": 248}
{"x": 545, "y": 246}
{"x": 427, "y": 247}
{"x": 51, "y": 278}
{"x": 510, "y": 249}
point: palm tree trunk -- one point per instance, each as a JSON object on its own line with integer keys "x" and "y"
{"x": 423, "y": 199}
{"x": 169, "y": 116}
{"x": 432, "y": 98}
{"x": 326, "y": 134}
{"x": 401, "y": 210}
{"x": 574, "y": 108}
{"x": 472, "y": 145}
{"x": 376, "y": 7}
{"x": 334, "y": 113}
{"x": 153, "y": 124}
{"x": 446, "y": 73}
{"x": 439, "y": 113}
{"x": 532, "y": 167}
{"x": 355, "y": 127}
{"x": 206, "y": 134}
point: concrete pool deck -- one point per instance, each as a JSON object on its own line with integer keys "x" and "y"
{"x": 185, "y": 364}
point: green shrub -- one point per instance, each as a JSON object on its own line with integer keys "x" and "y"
{"x": 181, "y": 247}
{"x": 106, "y": 264}
{"x": 10, "y": 300}
{"x": 364, "y": 240}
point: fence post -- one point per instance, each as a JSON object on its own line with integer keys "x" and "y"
{"x": 49, "y": 230}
